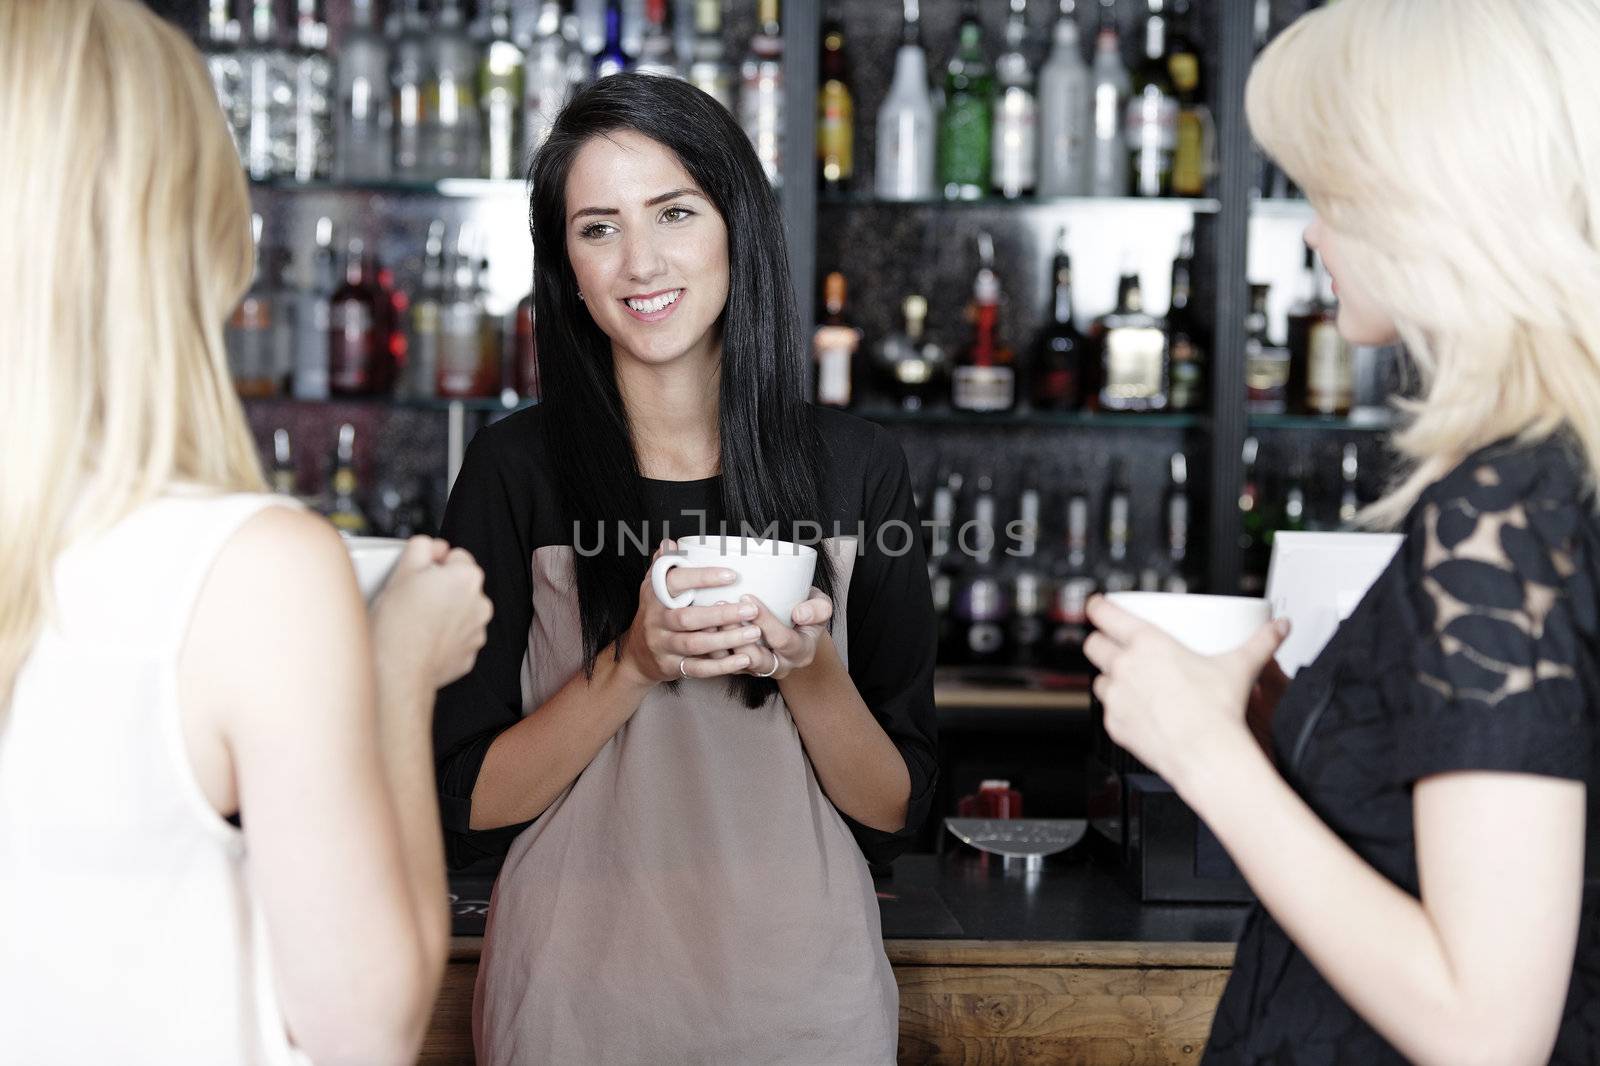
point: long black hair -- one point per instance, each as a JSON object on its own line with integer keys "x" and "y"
{"x": 769, "y": 444}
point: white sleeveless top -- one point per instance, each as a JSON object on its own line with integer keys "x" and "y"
{"x": 128, "y": 930}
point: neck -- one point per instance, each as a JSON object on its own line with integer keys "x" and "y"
{"x": 673, "y": 414}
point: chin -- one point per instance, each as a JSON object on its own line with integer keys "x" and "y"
{"x": 1368, "y": 330}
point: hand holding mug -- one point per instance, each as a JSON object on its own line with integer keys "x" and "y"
{"x": 785, "y": 648}
{"x": 429, "y": 620}
{"x": 691, "y": 641}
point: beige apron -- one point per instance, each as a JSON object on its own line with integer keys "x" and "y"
{"x": 692, "y": 898}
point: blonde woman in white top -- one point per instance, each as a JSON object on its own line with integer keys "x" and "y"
{"x": 176, "y": 645}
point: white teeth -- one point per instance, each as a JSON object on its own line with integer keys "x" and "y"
{"x": 657, "y": 303}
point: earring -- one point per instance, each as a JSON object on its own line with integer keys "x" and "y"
{"x": 580, "y": 296}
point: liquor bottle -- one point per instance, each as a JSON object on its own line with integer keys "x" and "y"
{"x": 984, "y": 379}
{"x": 940, "y": 533}
{"x": 1069, "y": 623}
{"x": 526, "y": 351}
{"x": 1321, "y": 362}
{"x": 966, "y": 124}
{"x": 1108, "y": 152}
{"x": 495, "y": 370}
{"x": 1177, "y": 515}
{"x": 313, "y": 318}
{"x": 911, "y": 367}
{"x": 1266, "y": 365}
{"x": 761, "y": 91}
{"x": 1058, "y": 362}
{"x": 283, "y": 477}
{"x": 835, "y": 346}
{"x": 452, "y": 146}
{"x": 353, "y": 334}
{"x": 580, "y": 71}
{"x": 590, "y": 18}
{"x": 836, "y": 109}
{"x": 1029, "y": 590}
{"x": 1191, "y": 158}
{"x": 1295, "y": 519}
{"x": 501, "y": 71}
{"x": 905, "y": 164}
{"x": 1253, "y": 547}
{"x": 1349, "y": 487}
{"x": 684, "y": 31}
{"x": 979, "y": 605}
{"x": 394, "y": 343}
{"x": 547, "y": 84}
{"x": 313, "y": 94}
{"x": 409, "y": 78}
{"x": 365, "y": 114}
{"x": 655, "y": 44}
{"x": 461, "y": 332}
{"x": 269, "y": 84}
{"x": 1152, "y": 122}
{"x": 344, "y": 508}
{"x": 709, "y": 71}
{"x": 1188, "y": 360}
{"x": 1118, "y": 575}
{"x": 421, "y": 379}
{"x": 219, "y": 44}
{"x": 1133, "y": 353}
{"x": 249, "y": 337}
{"x": 633, "y": 27}
{"x": 1015, "y": 151}
{"x": 1064, "y": 112}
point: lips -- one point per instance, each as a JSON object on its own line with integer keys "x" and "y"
{"x": 652, "y": 307}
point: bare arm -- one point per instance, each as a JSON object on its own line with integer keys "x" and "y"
{"x": 279, "y": 659}
{"x": 1477, "y": 971}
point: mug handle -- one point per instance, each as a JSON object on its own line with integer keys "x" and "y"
{"x": 658, "y": 581}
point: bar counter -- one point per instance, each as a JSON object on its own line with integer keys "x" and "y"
{"x": 1062, "y": 965}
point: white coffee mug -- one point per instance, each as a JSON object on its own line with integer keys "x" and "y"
{"x": 374, "y": 559}
{"x": 776, "y": 572}
{"x": 1210, "y": 625}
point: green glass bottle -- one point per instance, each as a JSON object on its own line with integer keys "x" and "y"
{"x": 967, "y": 121}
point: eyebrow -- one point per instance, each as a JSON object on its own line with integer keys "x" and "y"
{"x": 652, "y": 202}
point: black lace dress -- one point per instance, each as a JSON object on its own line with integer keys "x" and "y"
{"x": 1475, "y": 650}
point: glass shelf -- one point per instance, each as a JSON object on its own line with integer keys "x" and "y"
{"x": 861, "y": 200}
{"x": 1027, "y": 419}
{"x": 1282, "y": 207}
{"x": 1378, "y": 420}
{"x": 490, "y": 404}
{"x": 448, "y": 188}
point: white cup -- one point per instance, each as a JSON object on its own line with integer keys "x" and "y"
{"x": 775, "y": 572}
{"x": 1210, "y": 625}
{"x": 373, "y": 559}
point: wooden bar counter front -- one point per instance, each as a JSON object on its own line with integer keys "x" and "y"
{"x": 1061, "y": 966}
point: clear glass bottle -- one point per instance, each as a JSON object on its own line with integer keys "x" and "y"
{"x": 453, "y": 145}
{"x": 590, "y": 16}
{"x": 313, "y": 317}
{"x": 219, "y": 45}
{"x": 1027, "y": 638}
{"x": 1266, "y": 365}
{"x": 1064, "y": 111}
{"x": 269, "y": 85}
{"x": 985, "y": 379}
{"x": 761, "y": 91}
{"x": 1152, "y": 122}
{"x": 501, "y": 71}
{"x": 422, "y": 369}
{"x": 1015, "y": 150}
{"x": 966, "y": 126}
{"x": 1118, "y": 575}
{"x": 836, "y": 109}
{"x": 709, "y": 71}
{"x": 343, "y": 506}
{"x": 1133, "y": 347}
{"x": 1075, "y": 584}
{"x": 1108, "y": 154}
{"x": 250, "y": 333}
{"x": 980, "y": 604}
{"x": 283, "y": 479}
{"x": 548, "y": 78}
{"x": 409, "y": 77}
{"x": 1177, "y": 522}
{"x": 365, "y": 115}
{"x": 906, "y": 132}
{"x": 461, "y": 342}
{"x": 313, "y": 94}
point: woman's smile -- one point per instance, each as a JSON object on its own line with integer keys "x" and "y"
{"x": 653, "y": 307}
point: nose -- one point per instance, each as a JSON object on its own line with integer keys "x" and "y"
{"x": 643, "y": 257}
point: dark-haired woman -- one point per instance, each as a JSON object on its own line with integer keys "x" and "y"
{"x": 689, "y": 797}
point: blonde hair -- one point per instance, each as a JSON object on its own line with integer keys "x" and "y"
{"x": 1453, "y": 146}
{"x": 127, "y": 229}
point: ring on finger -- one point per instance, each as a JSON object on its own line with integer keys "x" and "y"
{"x": 774, "y": 669}
{"x": 681, "y": 671}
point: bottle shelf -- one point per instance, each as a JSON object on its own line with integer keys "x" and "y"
{"x": 865, "y": 200}
{"x": 1370, "y": 420}
{"x": 1029, "y": 419}
{"x": 443, "y": 188}
{"x": 1282, "y": 207}
{"x": 493, "y": 405}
